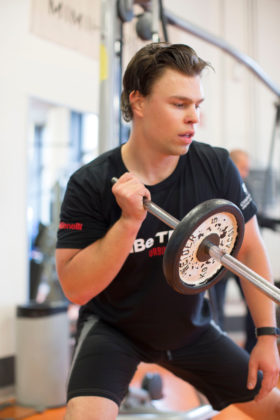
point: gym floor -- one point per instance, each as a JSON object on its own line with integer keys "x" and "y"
{"x": 177, "y": 396}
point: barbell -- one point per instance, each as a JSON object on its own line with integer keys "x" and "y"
{"x": 203, "y": 246}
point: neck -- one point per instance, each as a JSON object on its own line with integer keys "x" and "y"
{"x": 149, "y": 166}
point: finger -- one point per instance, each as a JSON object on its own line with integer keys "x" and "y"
{"x": 130, "y": 181}
{"x": 252, "y": 376}
{"x": 130, "y": 193}
{"x": 135, "y": 185}
{"x": 268, "y": 383}
{"x": 264, "y": 391}
{"x": 126, "y": 182}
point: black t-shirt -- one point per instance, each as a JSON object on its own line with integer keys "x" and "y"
{"x": 139, "y": 302}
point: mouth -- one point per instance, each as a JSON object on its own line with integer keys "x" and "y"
{"x": 187, "y": 136}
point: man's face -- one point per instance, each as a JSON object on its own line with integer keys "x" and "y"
{"x": 171, "y": 112}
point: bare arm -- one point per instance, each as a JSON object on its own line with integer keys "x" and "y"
{"x": 265, "y": 354}
{"x": 253, "y": 254}
{"x": 85, "y": 273}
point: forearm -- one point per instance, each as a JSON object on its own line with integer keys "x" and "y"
{"x": 265, "y": 355}
{"x": 90, "y": 270}
{"x": 261, "y": 307}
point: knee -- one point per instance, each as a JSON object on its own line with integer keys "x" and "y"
{"x": 91, "y": 408}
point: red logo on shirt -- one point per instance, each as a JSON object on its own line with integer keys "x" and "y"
{"x": 155, "y": 252}
{"x": 71, "y": 226}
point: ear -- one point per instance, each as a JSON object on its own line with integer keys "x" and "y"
{"x": 136, "y": 100}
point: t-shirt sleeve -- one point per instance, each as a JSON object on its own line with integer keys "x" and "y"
{"x": 237, "y": 192}
{"x": 81, "y": 218}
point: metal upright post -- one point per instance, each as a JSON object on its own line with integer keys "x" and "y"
{"x": 155, "y": 21}
{"x": 267, "y": 197}
{"x": 110, "y": 76}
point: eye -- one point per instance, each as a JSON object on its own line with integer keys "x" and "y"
{"x": 179, "y": 105}
{"x": 197, "y": 106}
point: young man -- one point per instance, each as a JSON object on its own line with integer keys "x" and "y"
{"x": 109, "y": 256}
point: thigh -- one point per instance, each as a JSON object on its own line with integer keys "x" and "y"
{"x": 103, "y": 364}
{"x": 215, "y": 366}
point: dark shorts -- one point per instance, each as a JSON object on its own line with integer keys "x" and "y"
{"x": 105, "y": 361}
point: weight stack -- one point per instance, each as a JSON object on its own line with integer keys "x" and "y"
{"x": 42, "y": 354}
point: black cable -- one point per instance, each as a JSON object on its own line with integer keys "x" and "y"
{"x": 120, "y": 83}
{"x": 163, "y": 21}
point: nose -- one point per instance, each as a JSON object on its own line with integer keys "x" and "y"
{"x": 192, "y": 115}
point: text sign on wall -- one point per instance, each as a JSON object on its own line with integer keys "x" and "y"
{"x": 71, "y": 23}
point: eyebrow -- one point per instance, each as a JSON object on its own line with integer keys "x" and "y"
{"x": 186, "y": 99}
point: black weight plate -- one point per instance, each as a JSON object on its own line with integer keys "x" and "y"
{"x": 183, "y": 271}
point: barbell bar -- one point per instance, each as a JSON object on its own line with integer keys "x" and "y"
{"x": 195, "y": 257}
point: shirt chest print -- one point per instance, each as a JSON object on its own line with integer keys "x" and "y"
{"x": 155, "y": 245}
